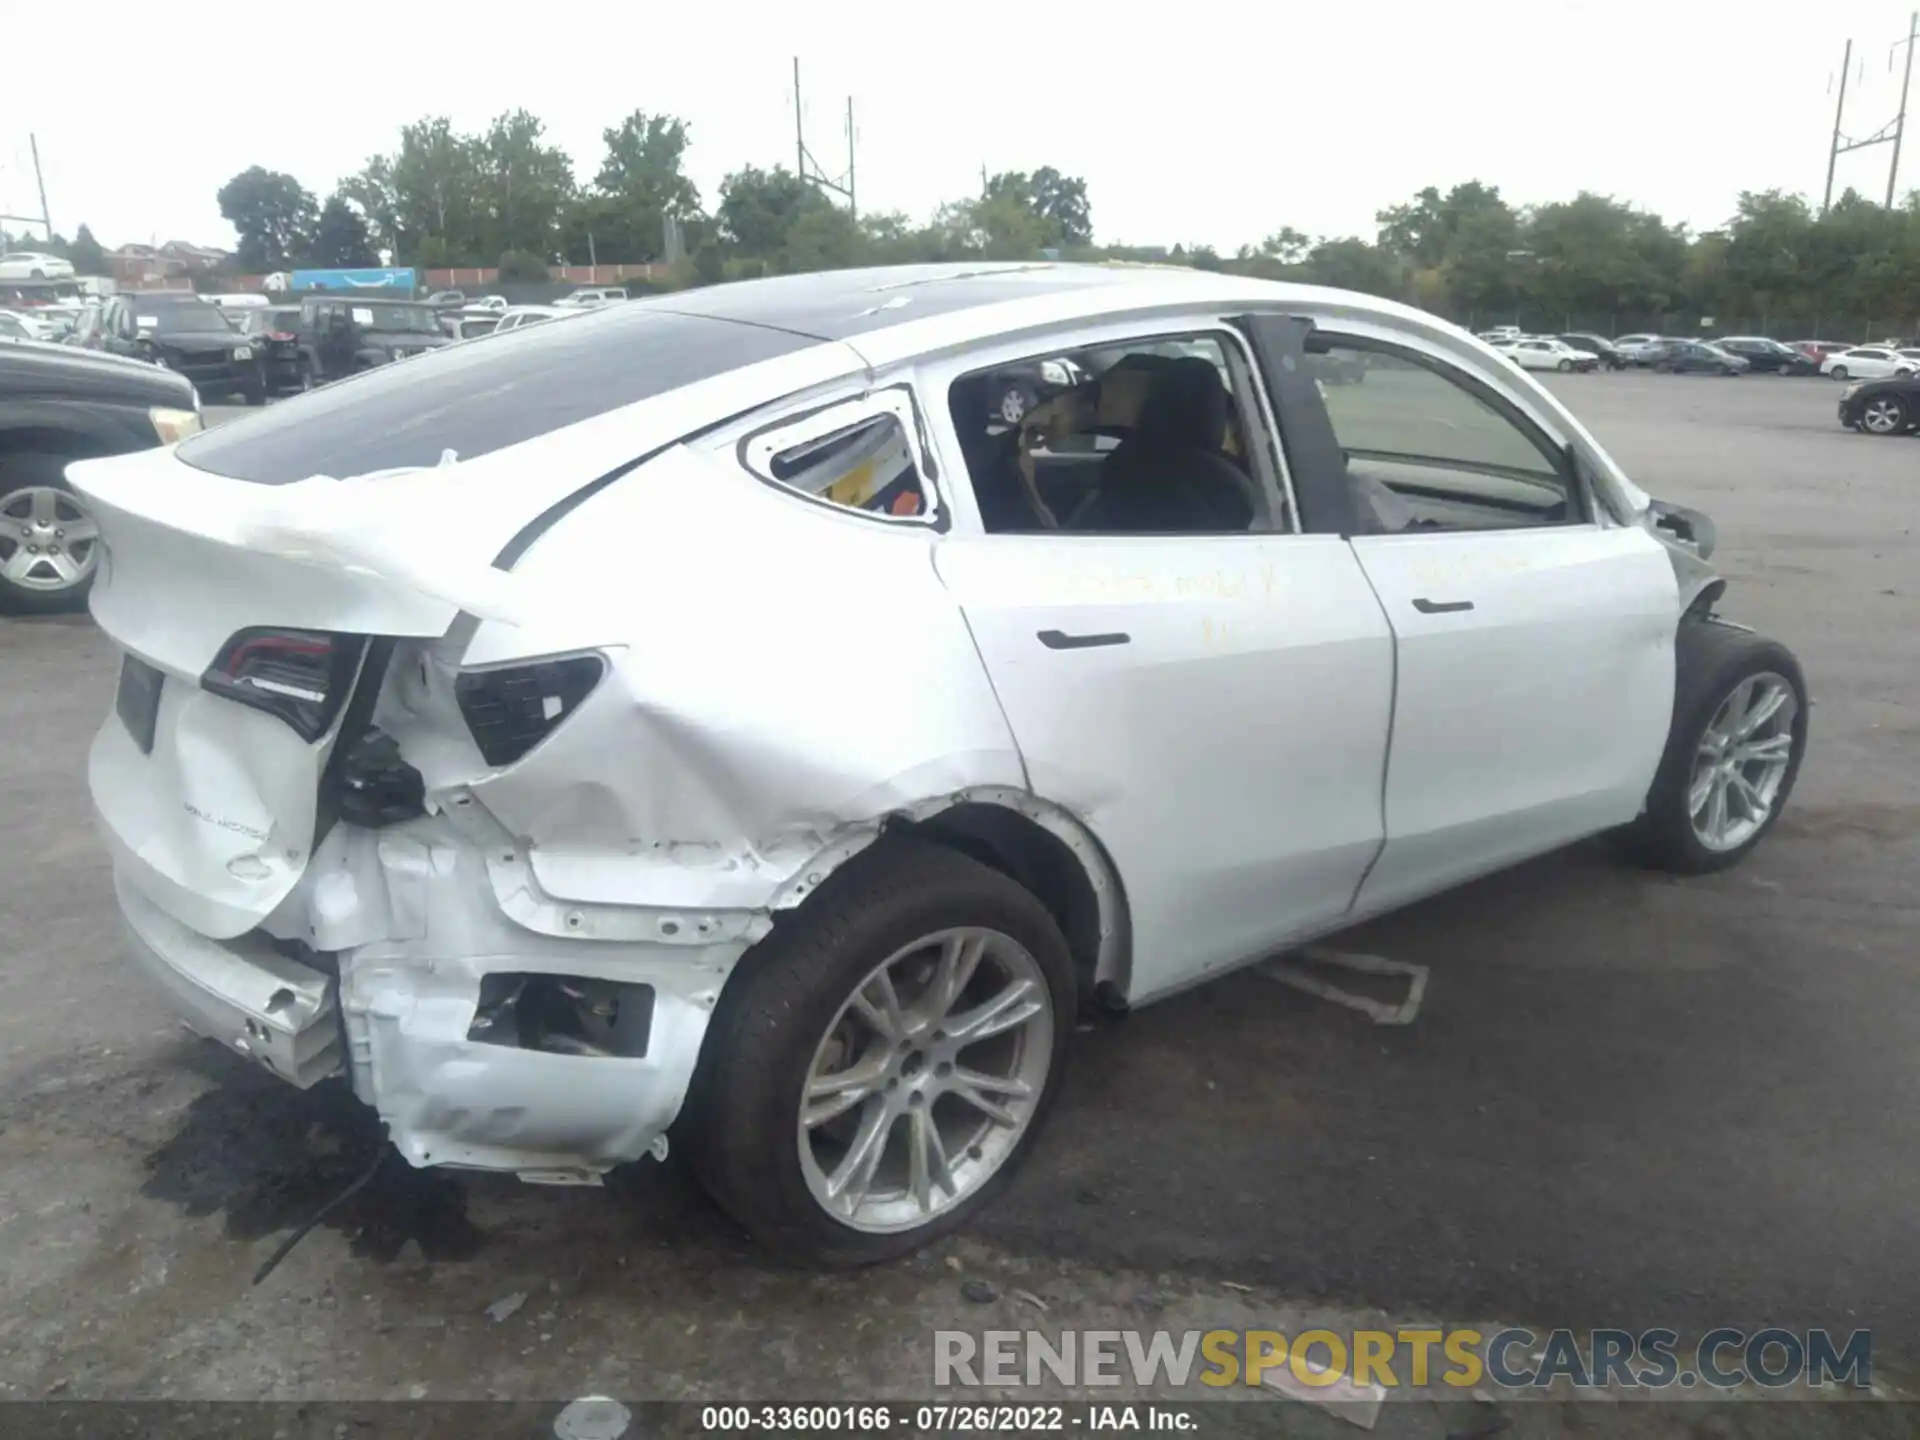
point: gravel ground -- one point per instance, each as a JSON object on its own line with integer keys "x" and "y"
{"x": 1627, "y": 1101}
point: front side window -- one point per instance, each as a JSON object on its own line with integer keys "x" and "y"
{"x": 1427, "y": 448}
{"x": 1153, "y": 436}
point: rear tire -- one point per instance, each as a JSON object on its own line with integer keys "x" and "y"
{"x": 1714, "y": 661}
{"x": 1564, "y": 366}
{"x": 1839, "y": 372}
{"x": 792, "y": 1001}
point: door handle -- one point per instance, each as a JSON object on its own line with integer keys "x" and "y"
{"x": 1060, "y": 640}
{"x": 1440, "y": 607}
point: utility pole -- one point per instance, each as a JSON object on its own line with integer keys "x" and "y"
{"x": 853, "y": 203}
{"x": 805, "y": 166}
{"x": 1899, "y": 125}
{"x": 799, "y": 134}
{"x": 1833, "y": 148}
{"x": 45, "y": 218}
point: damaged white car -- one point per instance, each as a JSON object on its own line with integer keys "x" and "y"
{"x": 712, "y": 714}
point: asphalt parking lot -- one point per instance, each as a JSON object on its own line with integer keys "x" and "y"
{"x": 1627, "y": 1100}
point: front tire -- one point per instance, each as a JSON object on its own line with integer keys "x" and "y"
{"x": 1733, "y": 752}
{"x": 1564, "y": 366}
{"x": 877, "y": 1068}
{"x": 1884, "y": 415}
{"x": 48, "y": 541}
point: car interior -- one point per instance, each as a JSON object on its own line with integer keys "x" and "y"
{"x": 1149, "y": 440}
{"x": 1154, "y": 441}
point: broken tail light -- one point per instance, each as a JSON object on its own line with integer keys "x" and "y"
{"x": 302, "y": 676}
{"x": 512, "y": 709}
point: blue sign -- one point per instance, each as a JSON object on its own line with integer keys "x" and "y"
{"x": 389, "y": 281}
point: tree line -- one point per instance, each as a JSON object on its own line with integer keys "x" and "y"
{"x": 506, "y": 196}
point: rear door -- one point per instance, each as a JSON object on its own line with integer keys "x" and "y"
{"x": 1211, "y": 703}
{"x": 1533, "y": 637}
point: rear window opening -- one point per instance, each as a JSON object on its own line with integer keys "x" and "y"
{"x": 473, "y": 399}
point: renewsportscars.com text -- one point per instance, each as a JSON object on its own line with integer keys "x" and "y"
{"x": 1513, "y": 1359}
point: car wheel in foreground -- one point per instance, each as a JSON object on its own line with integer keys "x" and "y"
{"x": 1564, "y": 366}
{"x": 47, "y": 539}
{"x": 878, "y": 1066}
{"x": 1839, "y": 372}
{"x": 1739, "y": 732}
{"x": 1884, "y": 415}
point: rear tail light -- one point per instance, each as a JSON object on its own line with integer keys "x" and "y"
{"x": 511, "y": 710}
{"x": 302, "y": 676}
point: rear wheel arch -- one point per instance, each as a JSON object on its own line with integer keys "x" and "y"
{"x": 1041, "y": 846}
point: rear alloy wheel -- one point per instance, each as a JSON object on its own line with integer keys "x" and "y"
{"x": 878, "y": 1066}
{"x": 1739, "y": 732}
{"x": 1839, "y": 372}
{"x": 1884, "y": 415}
{"x": 48, "y": 542}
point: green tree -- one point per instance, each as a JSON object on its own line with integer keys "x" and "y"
{"x": 758, "y": 208}
{"x": 1427, "y": 230}
{"x": 433, "y": 182}
{"x": 520, "y": 266}
{"x": 340, "y": 240}
{"x": 87, "y": 254}
{"x": 1355, "y": 264}
{"x": 1055, "y": 206}
{"x": 641, "y": 183}
{"x": 273, "y": 216}
{"x": 523, "y": 186}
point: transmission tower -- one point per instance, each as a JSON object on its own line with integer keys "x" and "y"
{"x": 1890, "y": 133}
{"x": 810, "y": 169}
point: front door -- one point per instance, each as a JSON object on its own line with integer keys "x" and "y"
{"x": 1534, "y": 639}
{"x": 1213, "y": 703}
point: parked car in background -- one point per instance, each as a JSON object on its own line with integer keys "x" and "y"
{"x": 1882, "y": 407}
{"x": 415, "y": 729}
{"x": 472, "y": 324}
{"x": 32, "y": 265}
{"x": 274, "y": 331}
{"x": 1766, "y": 356}
{"x": 18, "y": 326}
{"x": 1870, "y": 362}
{"x": 1501, "y": 332}
{"x": 495, "y": 303}
{"x": 59, "y": 404}
{"x": 1818, "y": 350}
{"x": 1541, "y": 352}
{"x": 446, "y": 299}
{"x": 593, "y": 295}
{"x": 1633, "y": 348}
{"x": 341, "y": 335}
{"x": 1689, "y": 357}
{"x": 1597, "y": 345}
{"x": 516, "y": 317}
{"x": 181, "y": 331}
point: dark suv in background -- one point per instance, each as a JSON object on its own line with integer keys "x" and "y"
{"x": 1769, "y": 356}
{"x": 181, "y": 331}
{"x": 343, "y": 335}
{"x": 274, "y": 332}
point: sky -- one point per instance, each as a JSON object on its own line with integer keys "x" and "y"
{"x": 1217, "y": 130}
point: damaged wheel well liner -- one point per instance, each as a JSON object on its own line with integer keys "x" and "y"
{"x": 1035, "y": 858}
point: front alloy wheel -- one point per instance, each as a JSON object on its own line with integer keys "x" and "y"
{"x": 1884, "y": 415}
{"x": 1741, "y": 762}
{"x": 1738, "y": 734}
